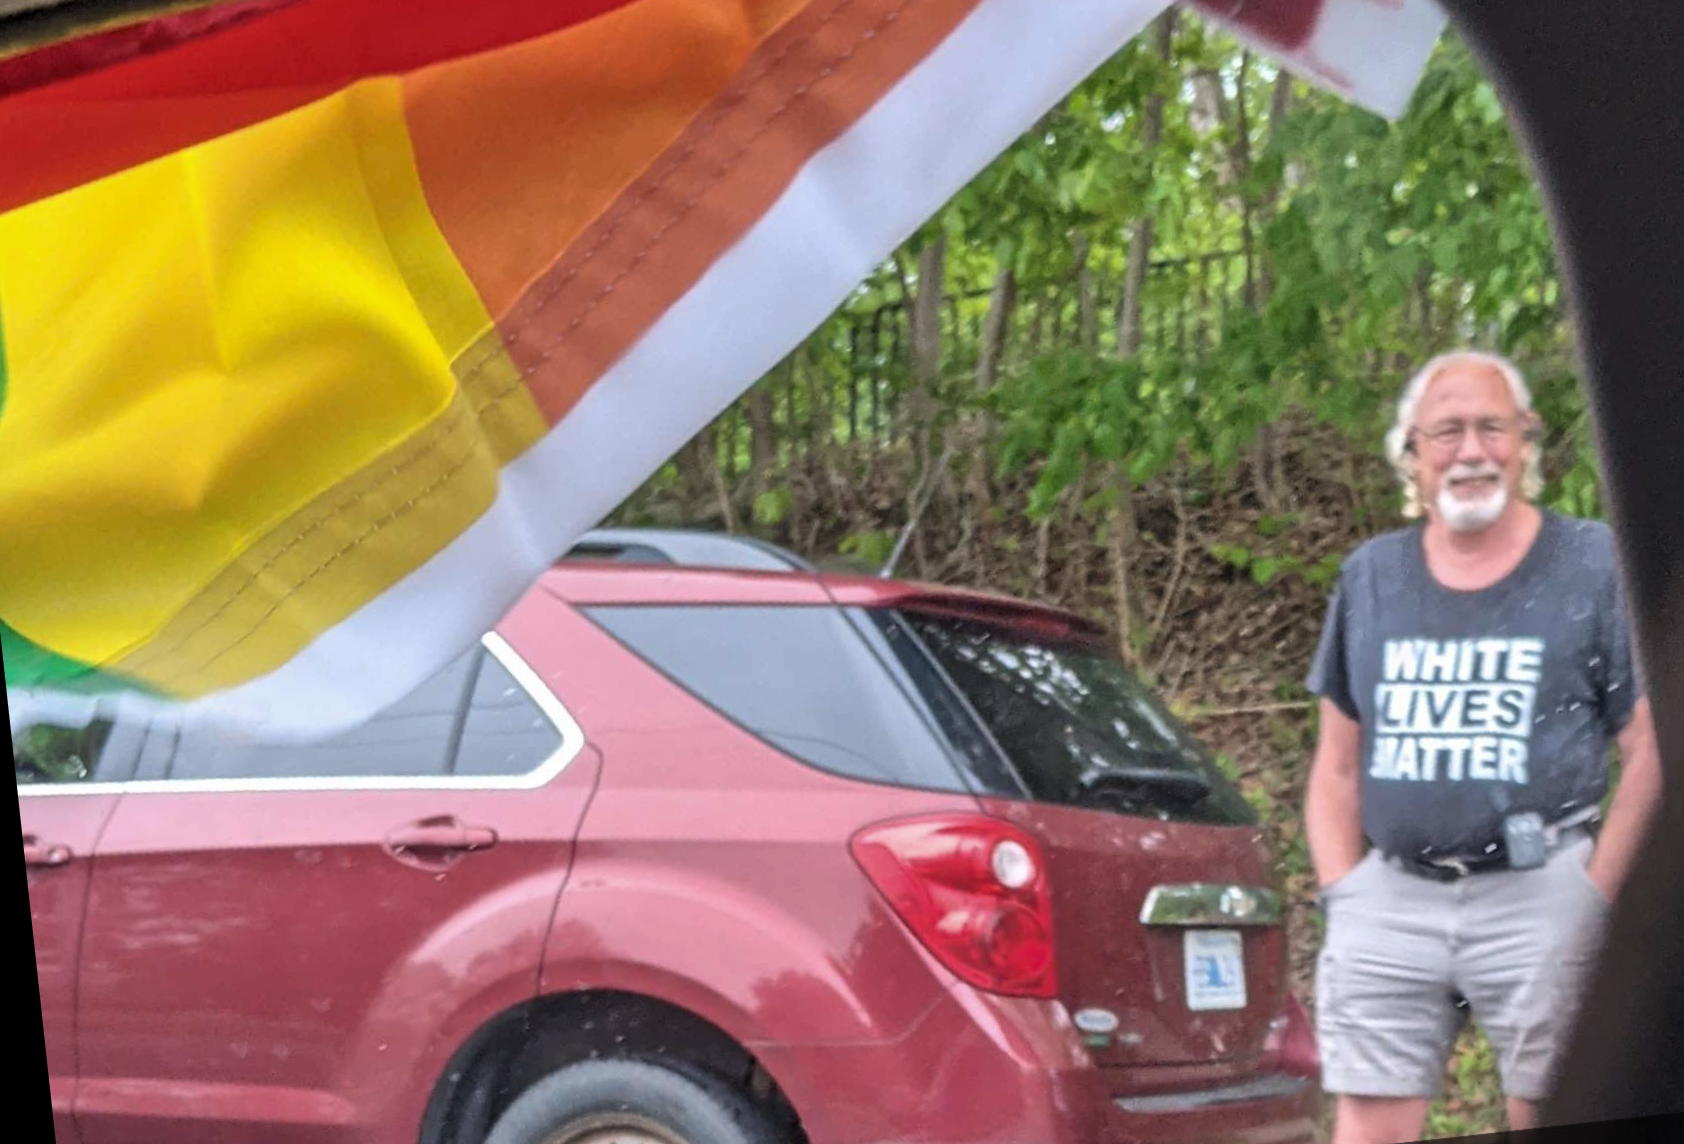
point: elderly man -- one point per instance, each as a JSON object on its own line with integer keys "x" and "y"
{"x": 1472, "y": 673}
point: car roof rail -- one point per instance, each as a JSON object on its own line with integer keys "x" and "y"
{"x": 685, "y": 547}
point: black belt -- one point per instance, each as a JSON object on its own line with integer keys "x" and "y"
{"x": 1454, "y": 867}
{"x": 1450, "y": 868}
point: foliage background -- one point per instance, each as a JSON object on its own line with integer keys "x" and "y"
{"x": 1140, "y": 367}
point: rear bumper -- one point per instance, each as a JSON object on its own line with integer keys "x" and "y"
{"x": 979, "y": 1069}
{"x": 1271, "y": 1109}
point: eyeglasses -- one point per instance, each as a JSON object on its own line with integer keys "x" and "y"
{"x": 1447, "y": 435}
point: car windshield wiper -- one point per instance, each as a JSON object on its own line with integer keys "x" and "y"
{"x": 1182, "y": 785}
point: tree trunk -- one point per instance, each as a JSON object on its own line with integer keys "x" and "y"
{"x": 1002, "y": 299}
{"x": 790, "y": 439}
{"x": 821, "y": 405}
{"x": 976, "y": 428}
{"x": 1043, "y": 546}
{"x": 1264, "y": 459}
{"x": 1121, "y": 526}
{"x": 1294, "y": 172}
{"x": 1280, "y": 106}
{"x": 924, "y": 302}
{"x": 697, "y": 463}
{"x": 721, "y": 490}
{"x": 1077, "y": 556}
{"x": 763, "y": 447}
{"x": 1129, "y": 329}
{"x": 1120, "y": 534}
{"x": 1242, "y": 173}
{"x": 1087, "y": 314}
{"x": 1265, "y": 467}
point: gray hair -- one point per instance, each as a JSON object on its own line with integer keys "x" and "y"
{"x": 1397, "y": 437}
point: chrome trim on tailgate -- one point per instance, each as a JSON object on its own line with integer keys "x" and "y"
{"x": 1269, "y": 1087}
{"x": 1210, "y": 904}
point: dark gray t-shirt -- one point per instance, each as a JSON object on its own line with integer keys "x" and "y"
{"x": 1476, "y": 705}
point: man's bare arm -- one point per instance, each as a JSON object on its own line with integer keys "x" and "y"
{"x": 1332, "y": 808}
{"x": 1635, "y": 801}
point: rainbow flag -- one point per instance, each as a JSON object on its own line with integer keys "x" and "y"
{"x": 326, "y": 325}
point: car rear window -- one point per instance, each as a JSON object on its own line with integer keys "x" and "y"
{"x": 1077, "y": 727}
{"x": 817, "y": 682}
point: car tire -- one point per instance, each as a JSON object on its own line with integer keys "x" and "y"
{"x": 632, "y": 1102}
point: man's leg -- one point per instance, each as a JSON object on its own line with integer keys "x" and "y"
{"x": 1379, "y": 1119}
{"x": 1530, "y": 938}
{"x": 1384, "y": 1013}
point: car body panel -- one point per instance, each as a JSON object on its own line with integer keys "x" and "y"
{"x": 257, "y": 961}
{"x": 57, "y": 904}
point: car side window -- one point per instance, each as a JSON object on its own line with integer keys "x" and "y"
{"x": 472, "y": 718}
{"x": 70, "y": 742}
{"x": 503, "y": 731}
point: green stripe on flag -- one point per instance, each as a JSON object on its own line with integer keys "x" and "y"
{"x": 28, "y": 664}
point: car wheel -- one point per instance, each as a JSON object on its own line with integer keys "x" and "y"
{"x": 632, "y": 1102}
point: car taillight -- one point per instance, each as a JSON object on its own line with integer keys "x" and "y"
{"x": 973, "y": 890}
{"x": 1291, "y": 1044}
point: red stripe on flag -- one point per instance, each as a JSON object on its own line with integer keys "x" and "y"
{"x": 1286, "y": 24}
{"x": 53, "y": 63}
{"x": 72, "y": 131}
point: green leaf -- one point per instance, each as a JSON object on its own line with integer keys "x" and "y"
{"x": 873, "y": 546}
{"x": 1324, "y": 571}
{"x": 771, "y": 506}
{"x": 1234, "y": 554}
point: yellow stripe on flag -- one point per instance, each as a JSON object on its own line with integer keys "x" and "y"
{"x": 166, "y": 413}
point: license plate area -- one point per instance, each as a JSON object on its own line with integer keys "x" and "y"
{"x": 1214, "y": 969}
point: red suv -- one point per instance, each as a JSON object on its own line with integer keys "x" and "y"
{"x": 723, "y": 855}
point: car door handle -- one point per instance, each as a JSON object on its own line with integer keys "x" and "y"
{"x": 435, "y": 843}
{"x": 38, "y": 853}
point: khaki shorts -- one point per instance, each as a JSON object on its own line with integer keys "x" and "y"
{"x": 1400, "y": 949}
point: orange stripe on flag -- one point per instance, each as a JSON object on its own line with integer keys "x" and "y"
{"x": 807, "y": 84}
{"x": 521, "y": 148}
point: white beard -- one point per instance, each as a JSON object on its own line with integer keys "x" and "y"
{"x": 1461, "y": 515}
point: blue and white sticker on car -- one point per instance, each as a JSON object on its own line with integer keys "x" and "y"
{"x": 1215, "y": 969}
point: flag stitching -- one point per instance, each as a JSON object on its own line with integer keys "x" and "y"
{"x": 542, "y": 301}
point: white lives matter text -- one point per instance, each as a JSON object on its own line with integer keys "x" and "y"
{"x": 1456, "y": 710}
